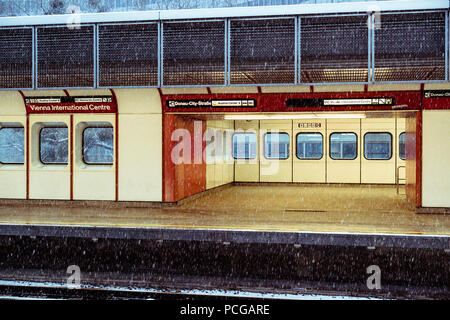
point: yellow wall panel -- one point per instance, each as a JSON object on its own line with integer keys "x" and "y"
{"x": 95, "y": 185}
{"x": 13, "y": 176}
{"x": 378, "y": 171}
{"x": 11, "y": 104}
{"x": 400, "y": 127}
{"x": 275, "y": 170}
{"x": 92, "y": 182}
{"x": 47, "y": 181}
{"x": 138, "y": 101}
{"x": 305, "y": 170}
{"x": 436, "y": 159}
{"x": 247, "y": 170}
{"x": 140, "y": 157}
{"x": 13, "y": 184}
{"x": 343, "y": 171}
{"x": 49, "y": 184}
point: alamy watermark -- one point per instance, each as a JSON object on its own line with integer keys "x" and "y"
{"x": 374, "y": 280}
{"x": 218, "y": 146}
{"x": 74, "y": 280}
{"x": 74, "y": 18}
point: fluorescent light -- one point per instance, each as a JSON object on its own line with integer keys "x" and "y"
{"x": 288, "y": 116}
{"x": 342, "y": 116}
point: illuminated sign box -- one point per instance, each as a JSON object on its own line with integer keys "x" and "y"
{"x": 97, "y": 104}
{"x": 212, "y": 103}
{"x": 436, "y": 94}
{"x": 322, "y": 102}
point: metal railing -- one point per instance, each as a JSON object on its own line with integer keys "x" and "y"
{"x": 397, "y": 178}
{"x": 250, "y": 52}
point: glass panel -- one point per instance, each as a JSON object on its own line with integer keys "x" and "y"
{"x": 378, "y": 146}
{"x": 410, "y": 47}
{"x": 128, "y": 55}
{"x": 12, "y": 145}
{"x": 98, "y": 145}
{"x": 402, "y": 146}
{"x": 244, "y": 145}
{"x": 54, "y": 145}
{"x": 262, "y": 51}
{"x": 65, "y": 57}
{"x": 309, "y": 146}
{"x": 194, "y": 53}
{"x": 276, "y": 146}
{"x": 344, "y": 58}
{"x": 343, "y": 146}
{"x": 16, "y": 57}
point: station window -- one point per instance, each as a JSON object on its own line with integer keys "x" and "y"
{"x": 402, "y": 146}
{"x": 53, "y": 145}
{"x": 378, "y": 146}
{"x": 276, "y": 145}
{"x": 12, "y": 145}
{"x": 244, "y": 146}
{"x": 309, "y": 146}
{"x": 98, "y": 145}
{"x": 343, "y": 146}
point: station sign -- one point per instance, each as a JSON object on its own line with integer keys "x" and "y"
{"x": 321, "y": 102}
{"x": 436, "y": 94}
{"x": 309, "y": 125}
{"x": 211, "y": 103}
{"x": 81, "y": 104}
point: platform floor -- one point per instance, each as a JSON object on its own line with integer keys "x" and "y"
{"x": 293, "y": 208}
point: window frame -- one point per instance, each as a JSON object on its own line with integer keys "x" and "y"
{"x": 82, "y": 146}
{"x": 24, "y": 148}
{"x": 356, "y": 143}
{"x": 296, "y": 146}
{"x": 364, "y": 144}
{"x": 256, "y": 144}
{"x": 404, "y": 132}
{"x": 264, "y": 147}
{"x": 68, "y": 147}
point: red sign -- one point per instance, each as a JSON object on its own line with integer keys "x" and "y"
{"x": 97, "y": 104}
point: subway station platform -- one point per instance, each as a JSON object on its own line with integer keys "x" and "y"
{"x": 299, "y": 214}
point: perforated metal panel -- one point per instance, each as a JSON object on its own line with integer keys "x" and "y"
{"x": 16, "y": 58}
{"x": 410, "y": 47}
{"x": 194, "y": 53}
{"x": 128, "y": 55}
{"x": 334, "y": 49}
{"x": 262, "y": 51}
{"x": 65, "y": 57}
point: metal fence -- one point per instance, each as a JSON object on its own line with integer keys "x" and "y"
{"x": 359, "y": 48}
{"x": 193, "y": 53}
{"x": 128, "y": 55}
{"x": 65, "y": 57}
{"x": 334, "y": 49}
{"x": 410, "y": 47}
{"x": 262, "y": 51}
{"x": 16, "y": 58}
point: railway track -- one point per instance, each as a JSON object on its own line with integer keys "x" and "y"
{"x": 39, "y": 284}
{"x": 181, "y": 270}
{"x": 55, "y": 291}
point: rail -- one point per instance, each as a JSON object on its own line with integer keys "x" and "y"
{"x": 397, "y": 177}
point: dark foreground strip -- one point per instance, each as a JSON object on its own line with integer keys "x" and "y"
{"x": 189, "y": 307}
{"x": 229, "y": 236}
